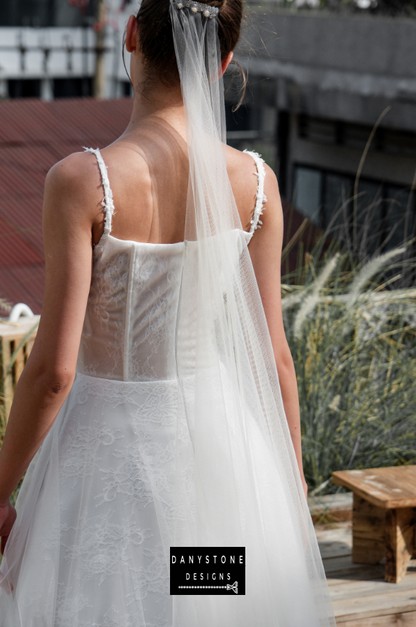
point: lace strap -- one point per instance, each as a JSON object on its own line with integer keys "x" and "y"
{"x": 261, "y": 198}
{"x": 107, "y": 202}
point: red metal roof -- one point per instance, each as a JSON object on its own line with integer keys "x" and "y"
{"x": 33, "y": 136}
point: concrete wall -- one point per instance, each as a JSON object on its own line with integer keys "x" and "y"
{"x": 365, "y": 44}
{"x": 341, "y": 67}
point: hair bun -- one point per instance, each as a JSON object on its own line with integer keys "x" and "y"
{"x": 219, "y": 4}
{"x": 156, "y": 40}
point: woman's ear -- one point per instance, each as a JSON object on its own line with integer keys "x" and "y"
{"x": 227, "y": 61}
{"x": 131, "y": 34}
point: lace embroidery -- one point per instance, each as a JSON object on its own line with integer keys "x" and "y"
{"x": 107, "y": 202}
{"x": 116, "y": 476}
{"x": 107, "y": 297}
{"x": 104, "y": 547}
{"x": 261, "y": 197}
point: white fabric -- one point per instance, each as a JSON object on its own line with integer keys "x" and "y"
{"x": 174, "y": 433}
{"x": 240, "y": 497}
{"x": 261, "y": 197}
{"x": 91, "y": 543}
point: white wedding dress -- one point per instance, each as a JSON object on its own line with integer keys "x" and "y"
{"x": 90, "y": 547}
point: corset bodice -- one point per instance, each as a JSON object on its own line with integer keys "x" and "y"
{"x": 131, "y": 318}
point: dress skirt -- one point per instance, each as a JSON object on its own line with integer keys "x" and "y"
{"x": 91, "y": 544}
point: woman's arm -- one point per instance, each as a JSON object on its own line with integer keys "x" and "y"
{"x": 266, "y": 252}
{"x": 70, "y": 207}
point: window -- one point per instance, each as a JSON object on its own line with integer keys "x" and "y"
{"x": 356, "y": 136}
{"x": 72, "y": 87}
{"x": 338, "y": 191}
{"x": 400, "y": 215}
{"x": 383, "y": 213}
{"x": 24, "y": 88}
{"x": 308, "y": 193}
{"x": 41, "y": 13}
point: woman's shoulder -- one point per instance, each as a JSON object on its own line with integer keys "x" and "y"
{"x": 73, "y": 187}
{"x": 80, "y": 174}
{"x": 74, "y": 172}
{"x": 243, "y": 163}
{"x": 241, "y": 168}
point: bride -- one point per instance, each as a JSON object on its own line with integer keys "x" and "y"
{"x": 159, "y": 405}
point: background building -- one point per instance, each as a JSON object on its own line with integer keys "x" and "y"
{"x": 56, "y": 48}
{"x": 318, "y": 83}
{"x": 34, "y": 135}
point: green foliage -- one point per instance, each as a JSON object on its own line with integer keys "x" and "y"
{"x": 353, "y": 341}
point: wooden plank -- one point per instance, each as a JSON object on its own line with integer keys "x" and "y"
{"x": 399, "y": 533}
{"x": 18, "y": 365}
{"x": 375, "y": 605}
{"x": 341, "y": 531}
{"x": 7, "y": 380}
{"x": 400, "y": 619}
{"x": 29, "y": 345}
{"x": 18, "y": 328}
{"x": 360, "y": 595}
{"x": 391, "y": 487}
{"x": 351, "y": 588}
{"x": 11, "y": 335}
{"x": 330, "y": 508}
{"x": 368, "y": 532}
{"x": 343, "y": 566}
{"x": 363, "y": 573}
{"x": 334, "y": 549}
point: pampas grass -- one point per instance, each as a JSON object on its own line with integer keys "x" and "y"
{"x": 309, "y": 303}
{"x": 367, "y": 272}
{"x": 355, "y": 360}
{"x": 350, "y": 320}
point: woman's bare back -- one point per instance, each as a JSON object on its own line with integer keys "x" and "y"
{"x": 149, "y": 179}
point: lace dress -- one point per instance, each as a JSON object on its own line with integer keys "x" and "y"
{"x": 90, "y": 547}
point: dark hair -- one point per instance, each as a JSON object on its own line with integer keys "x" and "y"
{"x": 156, "y": 41}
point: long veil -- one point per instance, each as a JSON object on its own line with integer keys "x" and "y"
{"x": 237, "y": 482}
{"x": 228, "y": 475}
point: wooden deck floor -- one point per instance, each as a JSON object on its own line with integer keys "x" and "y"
{"x": 360, "y": 596}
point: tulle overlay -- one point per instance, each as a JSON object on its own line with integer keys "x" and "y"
{"x": 96, "y": 513}
{"x": 100, "y": 504}
{"x": 174, "y": 433}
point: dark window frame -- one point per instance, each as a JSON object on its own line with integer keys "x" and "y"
{"x": 385, "y": 198}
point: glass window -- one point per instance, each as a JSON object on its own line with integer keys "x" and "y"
{"x": 24, "y": 88}
{"x": 337, "y": 206}
{"x": 42, "y": 13}
{"x": 400, "y": 216}
{"x": 307, "y": 193}
{"x": 369, "y": 215}
{"x": 385, "y": 214}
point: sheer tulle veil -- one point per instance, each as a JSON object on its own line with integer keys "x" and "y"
{"x": 234, "y": 476}
{"x": 238, "y": 468}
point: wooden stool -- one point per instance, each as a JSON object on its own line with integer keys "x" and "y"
{"x": 384, "y": 516}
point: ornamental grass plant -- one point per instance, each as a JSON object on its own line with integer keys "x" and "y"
{"x": 350, "y": 317}
{"x": 349, "y": 309}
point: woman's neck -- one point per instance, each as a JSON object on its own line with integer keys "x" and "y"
{"x": 160, "y": 102}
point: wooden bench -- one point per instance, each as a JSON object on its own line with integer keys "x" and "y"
{"x": 384, "y": 516}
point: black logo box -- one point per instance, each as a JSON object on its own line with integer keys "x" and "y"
{"x": 207, "y": 570}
